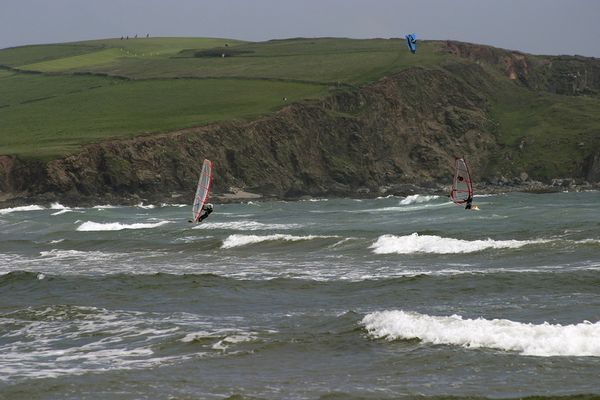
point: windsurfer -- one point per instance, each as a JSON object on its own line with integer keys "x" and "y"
{"x": 470, "y": 206}
{"x": 469, "y": 203}
{"x": 206, "y": 210}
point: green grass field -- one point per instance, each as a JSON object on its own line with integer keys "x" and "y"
{"x": 55, "y": 98}
{"x": 82, "y": 110}
{"x": 74, "y": 93}
{"x": 17, "y": 56}
{"x": 312, "y": 60}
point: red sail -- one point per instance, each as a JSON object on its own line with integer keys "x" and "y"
{"x": 462, "y": 187}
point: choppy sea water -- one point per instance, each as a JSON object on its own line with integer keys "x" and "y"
{"x": 384, "y": 298}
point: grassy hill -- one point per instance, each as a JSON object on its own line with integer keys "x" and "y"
{"x": 58, "y": 97}
{"x": 547, "y": 135}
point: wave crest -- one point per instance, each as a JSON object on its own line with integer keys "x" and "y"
{"x": 417, "y": 198}
{"x": 245, "y": 226}
{"x": 21, "y": 208}
{"x": 90, "y": 226}
{"x": 415, "y": 243}
{"x": 243, "y": 240}
{"x": 543, "y": 340}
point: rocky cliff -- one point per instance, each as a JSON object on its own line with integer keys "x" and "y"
{"x": 403, "y": 129}
{"x": 565, "y": 75}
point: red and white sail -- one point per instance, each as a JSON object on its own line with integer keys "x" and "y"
{"x": 202, "y": 189}
{"x": 462, "y": 185}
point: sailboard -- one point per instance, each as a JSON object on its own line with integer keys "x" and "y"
{"x": 202, "y": 189}
{"x": 462, "y": 186}
{"x": 411, "y": 42}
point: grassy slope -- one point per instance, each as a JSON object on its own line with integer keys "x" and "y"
{"x": 89, "y": 109}
{"x": 52, "y": 114}
{"x": 545, "y": 134}
{"x": 323, "y": 60}
{"x": 17, "y": 56}
{"x": 112, "y": 52}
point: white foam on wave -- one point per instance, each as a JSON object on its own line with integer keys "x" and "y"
{"x": 338, "y": 243}
{"x": 243, "y": 240}
{"x": 417, "y": 198}
{"x": 234, "y": 215}
{"x": 21, "y": 208}
{"x": 405, "y": 207}
{"x": 224, "y": 338}
{"x": 192, "y": 239}
{"x": 544, "y": 340}
{"x": 148, "y": 207}
{"x": 174, "y": 205}
{"x": 57, "y": 254}
{"x": 113, "y": 340}
{"x": 245, "y": 226}
{"x": 64, "y": 211}
{"x": 587, "y": 241}
{"x": 415, "y": 243}
{"x": 103, "y": 207}
{"x": 227, "y": 341}
{"x": 90, "y": 226}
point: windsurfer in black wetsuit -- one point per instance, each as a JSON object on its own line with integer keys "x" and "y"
{"x": 206, "y": 210}
{"x": 469, "y": 201}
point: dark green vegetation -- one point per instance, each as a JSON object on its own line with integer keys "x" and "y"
{"x": 547, "y": 135}
{"x": 543, "y": 112}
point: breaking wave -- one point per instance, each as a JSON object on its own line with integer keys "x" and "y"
{"x": 146, "y": 207}
{"x": 417, "y": 198}
{"x": 54, "y": 206}
{"x": 245, "y": 226}
{"x": 415, "y": 243}
{"x": 243, "y": 240}
{"x": 543, "y": 340}
{"x": 90, "y": 226}
{"x": 21, "y": 208}
{"x": 63, "y": 211}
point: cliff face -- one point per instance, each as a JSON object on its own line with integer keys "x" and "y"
{"x": 555, "y": 74}
{"x": 405, "y": 128}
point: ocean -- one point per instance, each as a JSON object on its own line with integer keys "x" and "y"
{"x": 381, "y": 298}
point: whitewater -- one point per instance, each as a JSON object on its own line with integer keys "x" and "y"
{"x": 390, "y": 297}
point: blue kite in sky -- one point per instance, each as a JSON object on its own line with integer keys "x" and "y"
{"x": 411, "y": 42}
